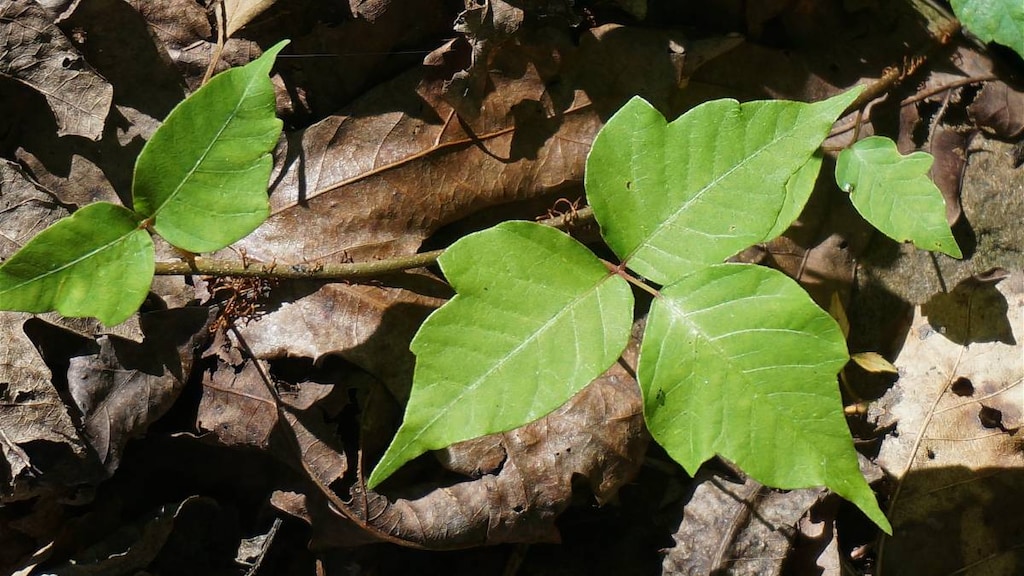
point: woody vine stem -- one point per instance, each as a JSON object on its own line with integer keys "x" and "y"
{"x": 342, "y": 271}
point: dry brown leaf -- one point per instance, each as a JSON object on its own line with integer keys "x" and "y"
{"x": 736, "y": 527}
{"x": 368, "y": 325}
{"x": 236, "y": 406}
{"x": 955, "y": 458}
{"x": 35, "y": 52}
{"x": 999, "y": 110}
{"x": 241, "y": 12}
{"x": 127, "y": 385}
{"x": 375, "y": 184}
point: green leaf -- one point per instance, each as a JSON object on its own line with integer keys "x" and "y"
{"x": 96, "y": 262}
{"x": 675, "y": 197}
{"x": 203, "y": 175}
{"x": 737, "y": 360}
{"x": 999, "y": 21}
{"x": 798, "y": 191}
{"x": 536, "y": 318}
{"x": 895, "y": 195}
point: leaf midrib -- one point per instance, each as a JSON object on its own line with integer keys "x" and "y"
{"x": 532, "y": 338}
{"x": 72, "y": 263}
{"x": 645, "y": 242}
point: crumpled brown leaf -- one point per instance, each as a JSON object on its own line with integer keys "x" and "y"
{"x": 999, "y": 110}
{"x": 737, "y": 527}
{"x": 955, "y": 457}
{"x": 128, "y": 385}
{"x": 35, "y": 52}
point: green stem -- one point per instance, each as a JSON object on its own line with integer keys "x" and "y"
{"x": 340, "y": 271}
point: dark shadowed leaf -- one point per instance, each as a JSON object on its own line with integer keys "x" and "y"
{"x": 33, "y": 50}
{"x": 120, "y": 391}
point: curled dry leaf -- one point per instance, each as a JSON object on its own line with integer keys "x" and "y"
{"x": 956, "y": 459}
{"x": 999, "y": 110}
{"x": 737, "y": 527}
{"x": 127, "y": 385}
{"x": 35, "y": 52}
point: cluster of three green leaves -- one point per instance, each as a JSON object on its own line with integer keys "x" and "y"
{"x": 736, "y": 360}
{"x": 200, "y": 182}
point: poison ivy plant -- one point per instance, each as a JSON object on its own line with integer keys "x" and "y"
{"x": 736, "y": 359}
{"x": 1000, "y": 21}
{"x": 200, "y": 182}
{"x": 895, "y": 195}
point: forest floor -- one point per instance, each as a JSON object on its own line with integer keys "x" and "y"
{"x": 229, "y": 426}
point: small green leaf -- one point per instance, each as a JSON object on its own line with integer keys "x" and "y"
{"x": 203, "y": 175}
{"x": 674, "y": 197}
{"x": 895, "y": 195}
{"x": 737, "y": 360}
{"x": 96, "y": 262}
{"x": 536, "y": 318}
{"x": 999, "y": 21}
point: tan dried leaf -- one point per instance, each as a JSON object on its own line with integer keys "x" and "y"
{"x": 957, "y": 459}
{"x": 241, "y": 12}
{"x": 737, "y": 527}
{"x": 873, "y": 362}
{"x": 31, "y": 411}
